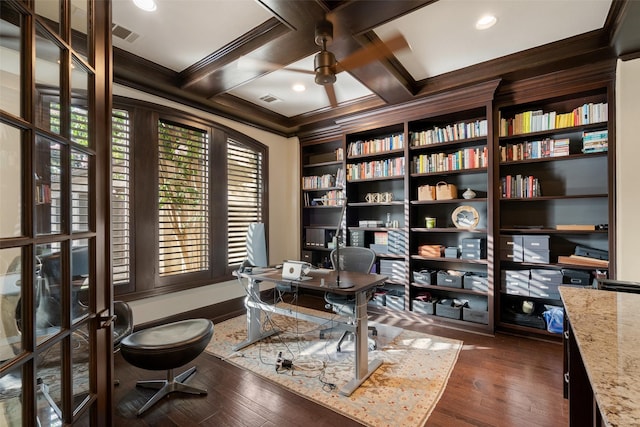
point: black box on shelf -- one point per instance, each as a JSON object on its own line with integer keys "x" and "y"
{"x": 445, "y": 309}
{"x": 476, "y": 282}
{"x": 513, "y": 314}
{"x": 315, "y": 237}
{"x": 576, "y": 277}
{"x": 424, "y": 277}
{"x": 450, "y": 279}
{"x": 511, "y": 248}
{"x": 308, "y": 256}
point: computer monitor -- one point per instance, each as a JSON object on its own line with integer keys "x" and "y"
{"x": 256, "y": 245}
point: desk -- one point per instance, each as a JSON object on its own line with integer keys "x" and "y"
{"x": 362, "y": 282}
{"x": 604, "y": 373}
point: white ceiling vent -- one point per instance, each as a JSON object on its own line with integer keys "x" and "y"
{"x": 268, "y": 98}
{"x": 123, "y": 33}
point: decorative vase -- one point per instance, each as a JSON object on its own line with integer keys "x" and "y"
{"x": 469, "y": 194}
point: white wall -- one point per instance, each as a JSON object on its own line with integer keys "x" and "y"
{"x": 628, "y": 170}
{"x": 284, "y": 215}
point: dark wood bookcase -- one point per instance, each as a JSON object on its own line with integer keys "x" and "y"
{"x": 575, "y": 186}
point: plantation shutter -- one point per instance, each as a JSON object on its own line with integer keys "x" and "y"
{"x": 183, "y": 199}
{"x": 120, "y": 204}
{"x": 245, "y": 190}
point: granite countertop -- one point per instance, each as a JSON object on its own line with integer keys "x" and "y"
{"x": 606, "y": 326}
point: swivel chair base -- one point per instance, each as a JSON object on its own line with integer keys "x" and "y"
{"x": 169, "y": 385}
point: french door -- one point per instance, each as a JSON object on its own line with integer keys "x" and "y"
{"x": 55, "y": 297}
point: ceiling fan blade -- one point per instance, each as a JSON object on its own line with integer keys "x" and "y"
{"x": 331, "y": 94}
{"x": 377, "y": 49}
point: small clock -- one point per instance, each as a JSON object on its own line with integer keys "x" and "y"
{"x": 465, "y": 217}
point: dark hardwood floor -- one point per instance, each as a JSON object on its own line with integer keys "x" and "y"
{"x": 498, "y": 381}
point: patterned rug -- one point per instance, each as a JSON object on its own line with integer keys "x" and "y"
{"x": 402, "y": 392}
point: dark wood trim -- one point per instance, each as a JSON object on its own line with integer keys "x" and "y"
{"x": 263, "y": 34}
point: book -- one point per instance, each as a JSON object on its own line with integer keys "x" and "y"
{"x": 588, "y": 227}
{"x": 582, "y": 260}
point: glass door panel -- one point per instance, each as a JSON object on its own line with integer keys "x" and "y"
{"x": 11, "y": 182}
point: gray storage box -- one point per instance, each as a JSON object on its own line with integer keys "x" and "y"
{"x": 542, "y": 276}
{"x": 393, "y": 269}
{"x": 476, "y": 282}
{"x": 446, "y": 310}
{"x": 424, "y": 277}
{"x": 537, "y": 257}
{"x": 423, "y": 307}
{"x": 395, "y": 302}
{"x": 451, "y": 252}
{"x": 449, "y": 280}
{"x": 475, "y": 316}
{"x": 535, "y": 242}
{"x": 379, "y": 249}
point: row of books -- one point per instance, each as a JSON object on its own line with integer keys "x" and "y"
{"x": 534, "y": 149}
{"x": 468, "y": 158}
{"x": 376, "y": 169}
{"x": 538, "y": 120}
{"x": 519, "y": 187}
{"x": 453, "y": 132}
{"x": 323, "y": 181}
{"x": 330, "y": 198}
{"x": 379, "y": 145}
{"x": 595, "y": 142}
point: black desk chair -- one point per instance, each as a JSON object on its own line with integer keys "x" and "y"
{"x": 352, "y": 258}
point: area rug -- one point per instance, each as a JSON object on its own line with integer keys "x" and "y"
{"x": 402, "y": 392}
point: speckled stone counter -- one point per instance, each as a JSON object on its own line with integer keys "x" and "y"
{"x": 606, "y": 329}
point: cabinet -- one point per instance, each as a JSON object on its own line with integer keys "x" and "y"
{"x": 375, "y": 172}
{"x": 449, "y": 262}
{"x": 322, "y": 188}
{"x": 544, "y": 196}
{"x": 554, "y": 202}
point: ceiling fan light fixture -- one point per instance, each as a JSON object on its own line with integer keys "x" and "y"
{"x": 298, "y": 87}
{"x": 486, "y": 22}
{"x": 325, "y": 67}
{"x": 146, "y": 5}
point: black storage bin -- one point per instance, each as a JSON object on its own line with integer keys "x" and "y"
{"x": 512, "y": 313}
{"x": 576, "y": 277}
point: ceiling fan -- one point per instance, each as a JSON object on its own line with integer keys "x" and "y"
{"x": 325, "y": 64}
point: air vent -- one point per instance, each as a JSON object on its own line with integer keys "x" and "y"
{"x": 123, "y": 33}
{"x": 268, "y": 98}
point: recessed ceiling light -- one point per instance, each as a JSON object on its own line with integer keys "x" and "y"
{"x": 299, "y": 87}
{"x": 485, "y": 22}
{"x": 147, "y": 5}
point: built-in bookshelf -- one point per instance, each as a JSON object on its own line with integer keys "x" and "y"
{"x": 527, "y": 164}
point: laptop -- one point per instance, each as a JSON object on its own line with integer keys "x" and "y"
{"x": 295, "y": 270}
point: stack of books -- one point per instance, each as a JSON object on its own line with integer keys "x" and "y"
{"x": 595, "y": 142}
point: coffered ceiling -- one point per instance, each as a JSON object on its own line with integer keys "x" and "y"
{"x": 241, "y": 58}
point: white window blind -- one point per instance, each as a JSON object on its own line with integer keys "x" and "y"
{"x": 121, "y": 193}
{"x": 183, "y": 199}
{"x": 245, "y": 190}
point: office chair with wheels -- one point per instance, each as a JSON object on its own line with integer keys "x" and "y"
{"x": 352, "y": 258}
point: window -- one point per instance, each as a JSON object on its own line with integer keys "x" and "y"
{"x": 184, "y": 191}
{"x": 183, "y": 199}
{"x": 245, "y": 195}
{"x": 120, "y": 198}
